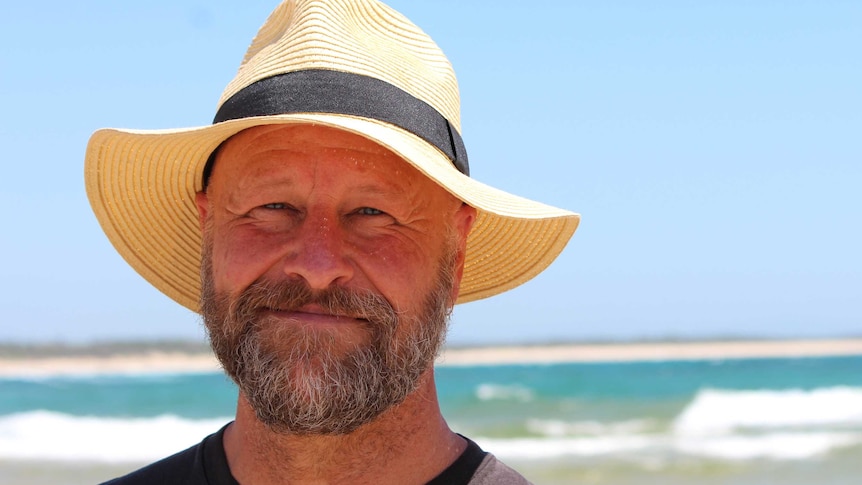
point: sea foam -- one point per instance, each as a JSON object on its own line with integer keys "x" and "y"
{"x": 559, "y": 428}
{"x": 727, "y": 425}
{"x": 771, "y": 446}
{"x": 716, "y": 411}
{"x": 632, "y": 448}
{"x": 489, "y": 392}
{"x": 51, "y": 436}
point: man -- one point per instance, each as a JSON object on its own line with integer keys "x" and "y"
{"x": 324, "y": 226}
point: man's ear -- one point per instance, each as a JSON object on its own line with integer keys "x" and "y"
{"x": 203, "y": 204}
{"x": 465, "y": 217}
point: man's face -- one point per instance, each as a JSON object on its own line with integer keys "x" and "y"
{"x": 329, "y": 269}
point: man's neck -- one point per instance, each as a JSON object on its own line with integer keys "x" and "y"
{"x": 410, "y": 443}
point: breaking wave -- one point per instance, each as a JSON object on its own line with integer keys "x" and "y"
{"x": 724, "y": 425}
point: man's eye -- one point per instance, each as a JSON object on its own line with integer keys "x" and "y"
{"x": 369, "y": 211}
{"x": 275, "y": 206}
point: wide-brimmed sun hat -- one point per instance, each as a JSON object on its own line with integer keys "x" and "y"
{"x": 355, "y": 65}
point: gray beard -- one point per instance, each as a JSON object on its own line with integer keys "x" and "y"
{"x": 298, "y": 381}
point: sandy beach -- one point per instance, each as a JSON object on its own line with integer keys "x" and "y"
{"x": 146, "y": 363}
{"x": 627, "y": 352}
{"x": 174, "y": 362}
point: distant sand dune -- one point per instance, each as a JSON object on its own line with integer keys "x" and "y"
{"x": 715, "y": 350}
{"x": 148, "y": 363}
{"x": 176, "y": 362}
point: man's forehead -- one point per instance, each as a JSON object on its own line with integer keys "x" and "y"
{"x": 255, "y": 152}
{"x": 307, "y": 136}
{"x": 287, "y": 141}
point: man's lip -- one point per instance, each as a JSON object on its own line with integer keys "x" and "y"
{"x": 313, "y": 314}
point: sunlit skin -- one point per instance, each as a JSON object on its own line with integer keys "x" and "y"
{"x": 333, "y": 208}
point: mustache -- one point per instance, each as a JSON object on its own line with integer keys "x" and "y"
{"x": 291, "y": 295}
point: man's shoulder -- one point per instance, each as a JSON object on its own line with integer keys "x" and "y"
{"x": 494, "y": 472}
{"x": 174, "y": 470}
{"x": 202, "y": 464}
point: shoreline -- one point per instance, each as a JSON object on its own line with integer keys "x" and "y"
{"x": 651, "y": 351}
{"x": 169, "y": 362}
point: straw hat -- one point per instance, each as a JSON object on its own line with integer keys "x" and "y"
{"x": 355, "y": 65}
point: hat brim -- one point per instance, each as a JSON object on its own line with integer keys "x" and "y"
{"x": 142, "y": 184}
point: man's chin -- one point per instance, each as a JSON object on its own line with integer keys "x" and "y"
{"x": 316, "y": 393}
{"x": 312, "y": 345}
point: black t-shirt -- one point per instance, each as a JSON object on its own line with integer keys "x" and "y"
{"x": 206, "y": 464}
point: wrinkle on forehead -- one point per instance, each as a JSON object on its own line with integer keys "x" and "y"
{"x": 319, "y": 136}
{"x": 254, "y": 151}
{"x": 306, "y": 139}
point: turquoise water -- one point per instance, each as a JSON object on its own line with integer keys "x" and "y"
{"x": 734, "y": 421}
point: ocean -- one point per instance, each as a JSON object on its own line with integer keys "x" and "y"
{"x": 748, "y": 421}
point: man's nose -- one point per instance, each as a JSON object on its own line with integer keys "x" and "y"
{"x": 318, "y": 255}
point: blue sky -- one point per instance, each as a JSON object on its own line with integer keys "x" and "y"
{"x": 712, "y": 147}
